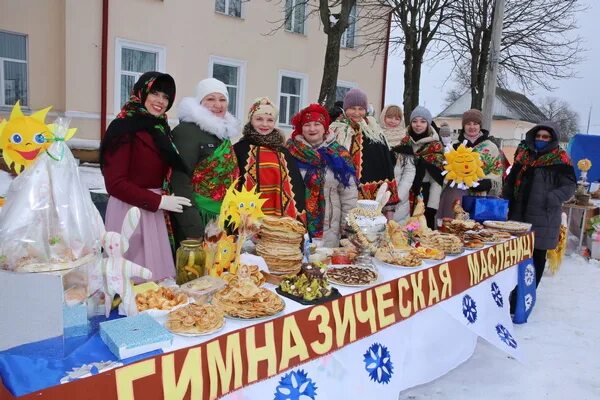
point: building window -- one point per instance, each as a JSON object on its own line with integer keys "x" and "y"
{"x": 295, "y": 15}
{"x": 229, "y": 7}
{"x": 292, "y": 92}
{"x": 13, "y": 69}
{"x": 232, "y": 74}
{"x": 131, "y": 61}
{"x": 342, "y": 88}
{"x": 350, "y": 32}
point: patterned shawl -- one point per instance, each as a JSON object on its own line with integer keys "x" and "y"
{"x": 315, "y": 162}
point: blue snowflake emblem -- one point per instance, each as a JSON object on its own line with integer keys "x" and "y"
{"x": 505, "y": 336}
{"x": 497, "y": 295}
{"x": 378, "y": 363}
{"x": 529, "y": 275}
{"x": 296, "y": 386}
{"x": 528, "y": 301}
{"x": 469, "y": 308}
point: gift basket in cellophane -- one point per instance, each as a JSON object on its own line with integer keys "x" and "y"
{"x": 49, "y": 222}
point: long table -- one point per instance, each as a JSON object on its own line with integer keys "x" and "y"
{"x": 410, "y": 328}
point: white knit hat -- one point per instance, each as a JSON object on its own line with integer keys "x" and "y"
{"x": 211, "y": 85}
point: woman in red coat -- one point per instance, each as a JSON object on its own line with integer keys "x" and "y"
{"x": 136, "y": 156}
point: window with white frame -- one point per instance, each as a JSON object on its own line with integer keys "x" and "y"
{"x": 132, "y": 59}
{"x": 232, "y": 74}
{"x": 13, "y": 69}
{"x": 350, "y": 32}
{"x": 229, "y": 7}
{"x": 295, "y": 15}
{"x": 342, "y": 88}
{"x": 292, "y": 92}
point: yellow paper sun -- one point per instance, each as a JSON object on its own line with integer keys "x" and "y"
{"x": 463, "y": 166}
{"x": 239, "y": 205}
{"x": 23, "y": 138}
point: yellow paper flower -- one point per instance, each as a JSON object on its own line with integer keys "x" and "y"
{"x": 463, "y": 166}
{"x": 584, "y": 165}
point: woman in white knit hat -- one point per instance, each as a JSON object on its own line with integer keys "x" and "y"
{"x": 203, "y": 138}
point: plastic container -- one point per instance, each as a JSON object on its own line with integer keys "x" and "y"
{"x": 203, "y": 288}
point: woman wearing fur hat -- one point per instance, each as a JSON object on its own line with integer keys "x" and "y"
{"x": 422, "y": 142}
{"x": 540, "y": 181}
{"x": 493, "y": 164}
{"x": 392, "y": 123}
{"x": 203, "y": 137}
{"x": 265, "y": 164}
{"x": 329, "y": 175}
{"x": 371, "y": 156}
{"x": 136, "y": 156}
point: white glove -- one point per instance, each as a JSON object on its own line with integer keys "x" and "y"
{"x": 174, "y": 203}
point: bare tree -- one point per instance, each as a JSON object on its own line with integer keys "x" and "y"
{"x": 452, "y": 95}
{"x": 419, "y": 21}
{"x": 559, "y": 112}
{"x": 537, "y": 44}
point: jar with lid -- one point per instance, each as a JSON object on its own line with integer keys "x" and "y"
{"x": 189, "y": 261}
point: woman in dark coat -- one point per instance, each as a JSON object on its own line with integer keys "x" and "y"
{"x": 541, "y": 180}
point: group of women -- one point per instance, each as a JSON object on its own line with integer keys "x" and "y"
{"x": 316, "y": 175}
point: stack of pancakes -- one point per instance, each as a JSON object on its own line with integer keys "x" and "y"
{"x": 280, "y": 244}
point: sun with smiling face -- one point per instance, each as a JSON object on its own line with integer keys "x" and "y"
{"x": 240, "y": 206}
{"x": 463, "y": 166}
{"x": 23, "y": 138}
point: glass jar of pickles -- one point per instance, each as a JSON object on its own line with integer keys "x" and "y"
{"x": 189, "y": 261}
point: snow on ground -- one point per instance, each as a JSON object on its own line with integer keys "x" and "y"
{"x": 561, "y": 344}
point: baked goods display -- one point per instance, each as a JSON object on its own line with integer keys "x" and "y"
{"x": 398, "y": 257}
{"x": 508, "y": 226}
{"x": 351, "y": 275}
{"x": 160, "y": 299}
{"x": 396, "y": 236}
{"x": 195, "y": 319}
{"x": 310, "y": 284}
{"x": 458, "y": 226}
{"x": 428, "y": 253}
{"x": 449, "y": 243}
{"x": 241, "y": 298}
{"x": 280, "y": 244}
{"x": 252, "y": 270}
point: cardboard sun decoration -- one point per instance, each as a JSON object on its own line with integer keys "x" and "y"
{"x": 241, "y": 210}
{"x": 23, "y": 138}
{"x": 463, "y": 167}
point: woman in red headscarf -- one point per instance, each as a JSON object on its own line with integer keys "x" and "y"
{"x": 328, "y": 172}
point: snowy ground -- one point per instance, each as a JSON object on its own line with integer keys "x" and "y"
{"x": 561, "y": 344}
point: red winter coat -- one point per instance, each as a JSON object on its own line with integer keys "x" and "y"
{"x": 132, "y": 169}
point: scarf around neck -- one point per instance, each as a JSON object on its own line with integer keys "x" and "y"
{"x": 272, "y": 140}
{"x": 526, "y": 157}
{"x": 316, "y": 162}
{"x": 134, "y": 118}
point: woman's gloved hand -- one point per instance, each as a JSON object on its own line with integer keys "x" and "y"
{"x": 174, "y": 203}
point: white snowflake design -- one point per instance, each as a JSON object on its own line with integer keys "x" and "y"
{"x": 528, "y": 301}
{"x": 529, "y": 275}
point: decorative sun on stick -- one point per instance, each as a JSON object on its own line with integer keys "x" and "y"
{"x": 463, "y": 167}
{"x": 240, "y": 206}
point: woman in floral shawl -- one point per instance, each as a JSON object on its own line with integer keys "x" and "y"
{"x": 371, "y": 156}
{"x": 265, "y": 163}
{"x": 541, "y": 180}
{"x": 328, "y": 174}
{"x": 422, "y": 143}
{"x": 491, "y": 156}
{"x": 136, "y": 156}
{"x": 203, "y": 137}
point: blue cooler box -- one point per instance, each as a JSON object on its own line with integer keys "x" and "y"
{"x": 486, "y": 208}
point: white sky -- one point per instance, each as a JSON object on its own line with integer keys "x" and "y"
{"x": 580, "y": 93}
